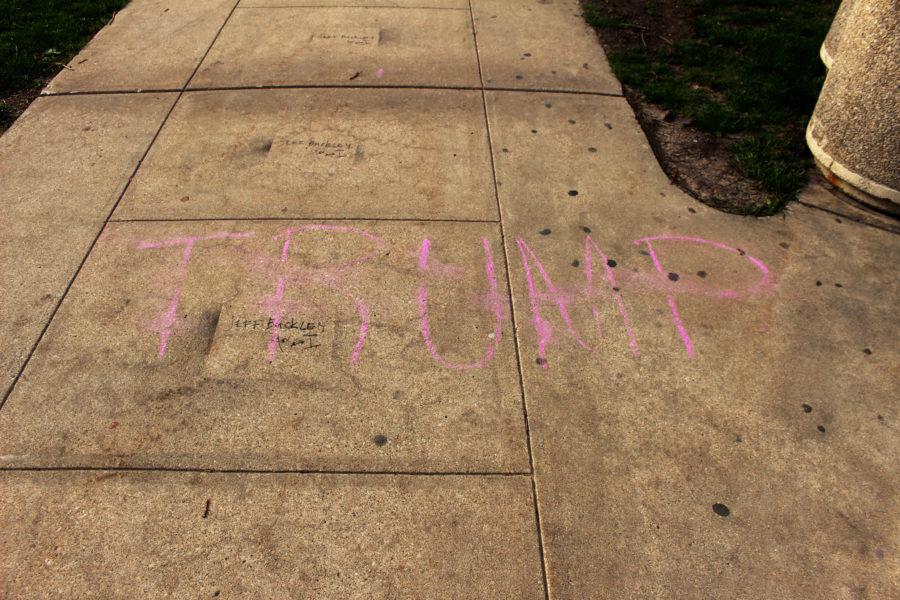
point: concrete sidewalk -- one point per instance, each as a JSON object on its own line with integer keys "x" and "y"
{"x": 309, "y": 300}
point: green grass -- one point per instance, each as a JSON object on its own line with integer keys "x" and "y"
{"x": 38, "y": 37}
{"x": 751, "y": 70}
{"x": 597, "y": 18}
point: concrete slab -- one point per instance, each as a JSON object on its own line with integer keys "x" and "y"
{"x": 457, "y": 4}
{"x": 540, "y": 44}
{"x": 716, "y": 401}
{"x": 180, "y": 535}
{"x": 354, "y": 154}
{"x": 831, "y": 200}
{"x": 710, "y": 398}
{"x": 342, "y": 46}
{"x": 63, "y": 165}
{"x": 149, "y": 45}
{"x": 216, "y": 345}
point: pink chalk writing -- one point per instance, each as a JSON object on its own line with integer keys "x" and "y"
{"x": 275, "y": 302}
{"x": 728, "y": 293}
{"x": 167, "y": 321}
{"x": 363, "y": 311}
{"x": 494, "y": 300}
{"x": 540, "y": 287}
{"x": 541, "y": 326}
{"x": 589, "y": 249}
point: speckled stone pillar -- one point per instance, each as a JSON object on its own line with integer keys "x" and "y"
{"x": 829, "y": 47}
{"x": 854, "y": 132}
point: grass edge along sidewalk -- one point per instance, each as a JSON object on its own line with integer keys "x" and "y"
{"x": 37, "y": 39}
{"x": 745, "y": 71}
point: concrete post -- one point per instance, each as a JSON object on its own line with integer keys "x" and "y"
{"x": 854, "y": 133}
{"x": 829, "y": 47}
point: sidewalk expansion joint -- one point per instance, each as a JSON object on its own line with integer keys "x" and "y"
{"x": 328, "y": 86}
{"x": 399, "y": 473}
{"x": 887, "y": 228}
{"x": 534, "y": 494}
{"x": 305, "y": 6}
{"x": 317, "y": 219}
